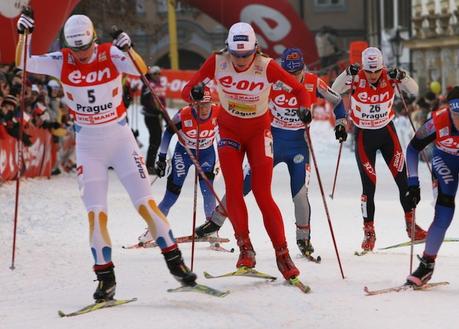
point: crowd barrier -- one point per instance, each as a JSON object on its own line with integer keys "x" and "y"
{"x": 38, "y": 159}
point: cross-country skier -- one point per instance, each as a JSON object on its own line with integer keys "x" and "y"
{"x": 290, "y": 146}
{"x": 244, "y": 77}
{"x": 91, "y": 78}
{"x": 443, "y": 130}
{"x": 200, "y": 116}
{"x": 372, "y": 98}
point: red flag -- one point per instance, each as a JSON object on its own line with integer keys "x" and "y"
{"x": 275, "y": 21}
{"x": 49, "y": 15}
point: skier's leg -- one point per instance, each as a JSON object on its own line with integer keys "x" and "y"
{"x": 393, "y": 156}
{"x": 207, "y": 162}
{"x": 365, "y": 154}
{"x": 181, "y": 163}
{"x": 132, "y": 174}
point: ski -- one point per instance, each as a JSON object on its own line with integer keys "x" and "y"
{"x": 313, "y": 259}
{"x": 242, "y": 271}
{"x": 200, "y": 288}
{"x": 180, "y": 239}
{"x": 408, "y": 243}
{"x": 363, "y": 252}
{"x": 218, "y": 247}
{"x": 300, "y": 285}
{"x": 97, "y": 306}
{"x": 403, "y": 287}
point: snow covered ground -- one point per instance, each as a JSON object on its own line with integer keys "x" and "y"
{"x": 53, "y": 260}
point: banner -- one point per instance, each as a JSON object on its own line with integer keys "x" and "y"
{"x": 37, "y": 158}
{"x": 275, "y": 21}
{"x": 49, "y": 15}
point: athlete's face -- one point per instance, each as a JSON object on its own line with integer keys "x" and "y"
{"x": 242, "y": 61}
{"x": 298, "y": 75}
{"x": 204, "y": 110}
{"x": 373, "y": 77}
{"x": 83, "y": 54}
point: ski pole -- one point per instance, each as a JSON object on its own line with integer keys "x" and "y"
{"x": 115, "y": 32}
{"x": 308, "y": 140}
{"x": 195, "y": 191}
{"x": 413, "y": 231}
{"x": 19, "y": 146}
{"x": 424, "y": 157}
{"x": 336, "y": 171}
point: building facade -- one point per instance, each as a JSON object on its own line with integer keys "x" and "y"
{"x": 435, "y": 43}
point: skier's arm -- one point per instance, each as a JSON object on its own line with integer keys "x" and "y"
{"x": 423, "y": 137}
{"x": 205, "y": 74}
{"x": 343, "y": 82}
{"x": 168, "y": 133}
{"x": 324, "y": 91}
{"x": 48, "y": 64}
{"x": 276, "y": 74}
{"x": 124, "y": 63}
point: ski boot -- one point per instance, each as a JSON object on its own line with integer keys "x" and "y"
{"x": 107, "y": 283}
{"x": 305, "y": 247}
{"x": 247, "y": 254}
{"x": 369, "y": 237}
{"x": 285, "y": 263}
{"x": 419, "y": 233}
{"x": 178, "y": 268}
{"x": 206, "y": 229}
{"x": 145, "y": 236}
{"x": 422, "y": 274}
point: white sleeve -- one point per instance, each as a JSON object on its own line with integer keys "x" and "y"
{"x": 48, "y": 64}
{"x": 409, "y": 85}
{"x": 123, "y": 62}
{"x": 342, "y": 83}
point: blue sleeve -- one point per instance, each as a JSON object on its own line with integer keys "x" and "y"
{"x": 423, "y": 137}
{"x": 167, "y": 135}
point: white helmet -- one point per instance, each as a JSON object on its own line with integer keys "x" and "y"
{"x": 78, "y": 31}
{"x": 241, "y": 38}
{"x": 372, "y": 59}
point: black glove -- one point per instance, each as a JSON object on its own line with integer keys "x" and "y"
{"x": 396, "y": 74}
{"x": 413, "y": 196}
{"x": 197, "y": 92}
{"x": 25, "y": 21}
{"x": 353, "y": 69}
{"x": 305, "y": 115}
{"x": 161, "y": 166}
{"x": 340, "y": 130}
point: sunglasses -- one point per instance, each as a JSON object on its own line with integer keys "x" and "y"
{"x": 82, "y": 48}
{"x": 245, "y": 54}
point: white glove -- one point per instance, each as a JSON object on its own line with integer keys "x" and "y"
{"x": 123, "y": 41}
{"x": 25, "y": 23}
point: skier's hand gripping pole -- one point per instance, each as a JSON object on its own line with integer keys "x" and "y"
{"x": 132, "y": 55}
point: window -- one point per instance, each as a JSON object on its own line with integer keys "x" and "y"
{"x": 389, "y": 14}
{"x": 329, "y": 5}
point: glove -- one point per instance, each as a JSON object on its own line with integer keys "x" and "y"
{"x": 413, "y": 196}
{"x": 197, "y": 92}
{"x": 353, "y": 69}
{"x": 161, "y": 166}
{"x": 396, "y": 74}
{"x": 340, "y": 130}
{"x": 305, "y": 115}
{"x": 25, "y": 21}
{"x": 122, "y": 40}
